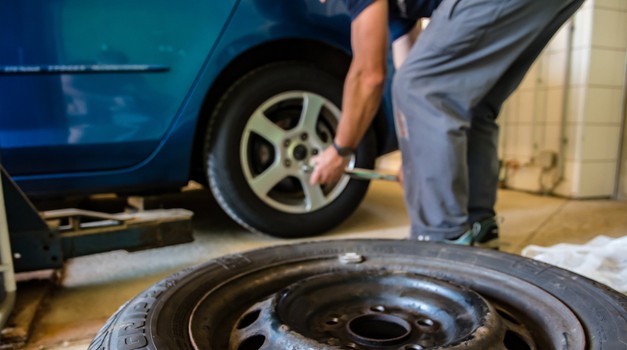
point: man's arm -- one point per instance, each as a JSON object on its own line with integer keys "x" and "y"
{"x": 363, "y": 88}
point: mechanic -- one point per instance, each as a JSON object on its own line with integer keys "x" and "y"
{"x": 447, "y": 95}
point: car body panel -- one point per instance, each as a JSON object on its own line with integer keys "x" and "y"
{"x": 89, "y": 117}
{"x": 117, "y": 88}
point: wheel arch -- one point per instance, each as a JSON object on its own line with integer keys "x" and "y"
{"x": 327, "y": 57}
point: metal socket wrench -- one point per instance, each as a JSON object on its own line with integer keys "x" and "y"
{"x": 360, "y": 174}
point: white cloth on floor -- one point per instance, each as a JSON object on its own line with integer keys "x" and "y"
{"x": 602, "y": 259}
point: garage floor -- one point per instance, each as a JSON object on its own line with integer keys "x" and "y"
{"x": 93, "y": 287}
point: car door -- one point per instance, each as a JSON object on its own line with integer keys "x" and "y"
{"x": 89, "y": 85}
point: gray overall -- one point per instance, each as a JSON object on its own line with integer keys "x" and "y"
{"x": 447, "y": 95}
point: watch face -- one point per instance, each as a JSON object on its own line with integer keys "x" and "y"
{"x": 343, "y": 151}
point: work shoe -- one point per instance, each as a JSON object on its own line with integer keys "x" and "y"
{"x": 484, "y": 234}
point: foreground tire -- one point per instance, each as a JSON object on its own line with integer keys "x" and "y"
{"x": 263, "y": 134}
{"x": 370, "y": 294}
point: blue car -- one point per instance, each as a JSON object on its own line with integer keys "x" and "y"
{"x": 140, "y": 97}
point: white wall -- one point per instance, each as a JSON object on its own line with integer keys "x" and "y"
{"x": 573, "y": 114}
{"x": 622, "y": 189}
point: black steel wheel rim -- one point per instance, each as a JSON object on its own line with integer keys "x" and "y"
{"x": 253, "y": 309}
{"x": 371, "y": 310}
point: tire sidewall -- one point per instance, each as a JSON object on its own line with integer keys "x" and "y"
{"x": 155, "y": 318}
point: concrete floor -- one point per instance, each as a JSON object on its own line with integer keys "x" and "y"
{"x": 93, "y": 287}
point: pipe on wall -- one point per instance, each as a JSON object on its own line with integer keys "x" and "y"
{"x": 561, "y": 161}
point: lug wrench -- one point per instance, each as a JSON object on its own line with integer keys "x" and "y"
{"x": 360, "y": 174}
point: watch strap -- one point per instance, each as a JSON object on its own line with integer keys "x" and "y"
{"x": 343, "y": 151}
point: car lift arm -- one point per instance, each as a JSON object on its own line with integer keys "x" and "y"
{"x": 44, "y": 240}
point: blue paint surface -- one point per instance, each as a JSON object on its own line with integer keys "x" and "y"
{"x": 102, "y": 95}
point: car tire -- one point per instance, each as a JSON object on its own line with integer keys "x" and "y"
{"x": 465, "y": 298}
{"x": 263, "y": 133}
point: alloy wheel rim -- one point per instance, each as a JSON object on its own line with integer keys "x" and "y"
{"x": 279, "y": 140}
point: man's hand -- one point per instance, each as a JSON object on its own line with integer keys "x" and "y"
{"x": 363, "y": 89}
{"x": 328, "y": 167}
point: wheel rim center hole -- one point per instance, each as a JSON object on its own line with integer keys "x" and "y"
{"x": 300, "y": 152}
{"x": 378, "y": 329}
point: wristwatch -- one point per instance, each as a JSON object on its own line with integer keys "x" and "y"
{"x": 343, "y": 151}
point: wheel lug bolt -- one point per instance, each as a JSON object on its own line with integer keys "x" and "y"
{"x": 314, "y": 151}
{"x": 303, "y": 136}
{"x": 286, "y": 143}
{"x": 288, "y": 162}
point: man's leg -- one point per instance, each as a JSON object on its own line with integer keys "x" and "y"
{"x": 483, "y": 165}
{"x": 454, "y": 71}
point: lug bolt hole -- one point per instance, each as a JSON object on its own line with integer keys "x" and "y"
{"x": 427, "y": 325}
{"x": 378, "y": 308}
{"x": 248, "y": 319}
{"x": 413, "y": 347}
{"x": 504, "y": 314}
{"x": 333, "y": 322}
{"x": 253, "y": 343}
{"x": 515, "y": 341}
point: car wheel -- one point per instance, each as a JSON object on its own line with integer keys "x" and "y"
{"x": 371, "y": 294}
{"x": 262, "y": 136}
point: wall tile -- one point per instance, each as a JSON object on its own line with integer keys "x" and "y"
{"x": 594, "y": 104}
{"x": 603, "y": 105}
{"x": 554, "y": 105}
{"x": 582, "y": 34}
{"x": 597, "y": 179}
{"x": 622, "y": 29}
{"x": 556, "y": 70}
{"x": 588, "y": 4}
{"x": 609, "y": 4}
{"x": 525, "y": 141}
{"x": 552, "y": 138}
{"x": 607, "y": 68}
{"x": 580, "y": 61}
{"x": 600, "y": 143}
{"x": 569, "y": 184}
{"x": 573, "y": 142}
{"x": 530, "y": 80}
{"x": 540, "y": 103}
{"x": 510, "y": 147}
{"x": 525, "y": 178}
{"x": 511, "y": 109}
{"x": 559, "y": 42}
{"x": 576, "y": 104}
{"x": 526, "y": 106}
{"x": 544, "y": 74}
{"x": 606, "y": 29}
{"x": 623, "y": 171}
